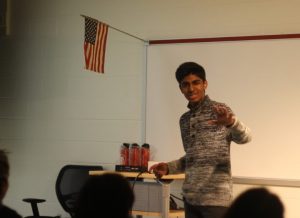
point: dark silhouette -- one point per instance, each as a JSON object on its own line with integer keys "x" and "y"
{"x": 69, "y": 182}
{"x": 5, "y": 211}
{"x": 256, "y": 203}
{"x": 108, "y": 196}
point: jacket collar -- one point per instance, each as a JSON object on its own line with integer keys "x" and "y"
{"x": 198, "y": 105}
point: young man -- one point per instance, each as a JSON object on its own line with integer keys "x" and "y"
{"x": 207, "y": 130}
{"x": 5, "y": 211}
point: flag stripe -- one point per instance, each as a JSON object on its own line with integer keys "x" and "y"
{"x": 97, "y": 59}
{"x": 95, "y": 45}
{"x": 102, "y": 48}
{"x": 103, "y": 43}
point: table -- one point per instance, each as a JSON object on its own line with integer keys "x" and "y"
{"x": 166, "y": 212}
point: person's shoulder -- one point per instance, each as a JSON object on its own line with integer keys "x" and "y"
{"x": 213, "y": 101}
{"x": 217, "y": 103}
{"x": 184, "y": 115}
{"x": 7, "y": 212}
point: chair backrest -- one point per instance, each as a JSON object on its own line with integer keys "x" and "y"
{"x": 70, "y": 180}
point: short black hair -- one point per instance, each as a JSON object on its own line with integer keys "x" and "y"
{"x": 109, "y": 195}
{"x": 258, "y": 203}
{"x": 188, "y": 68}
{"x": 4, "y": 168}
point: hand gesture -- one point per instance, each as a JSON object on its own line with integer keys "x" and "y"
{"x": 159, "y": 169}
{"x": 224, "y": 117}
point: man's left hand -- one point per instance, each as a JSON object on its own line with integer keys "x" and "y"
{"x": 224, "y": 117}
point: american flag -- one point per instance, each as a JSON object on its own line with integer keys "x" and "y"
{"x": 95, "y": 44}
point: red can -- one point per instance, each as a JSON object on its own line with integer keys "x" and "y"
{"x": 145, "y": 155}
{"x": 124, "y": 154}
{"x": 134, "y": 155}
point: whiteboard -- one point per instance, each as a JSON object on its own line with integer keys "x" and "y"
{"x": 259, "y": 80}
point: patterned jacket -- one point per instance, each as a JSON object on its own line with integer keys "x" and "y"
{"x": 208, "y": 180}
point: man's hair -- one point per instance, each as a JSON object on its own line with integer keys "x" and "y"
{"x": 258, "y": 203}
{"x": 4, "y": 166}
{"x": 188, "y": 68}
{"x": 109, "y": 195}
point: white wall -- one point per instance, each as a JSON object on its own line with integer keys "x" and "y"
{"x": 251, "y": 77}
{"x": 53, "y": 112}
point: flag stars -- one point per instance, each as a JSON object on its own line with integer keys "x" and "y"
{"x": 90, "y": 30}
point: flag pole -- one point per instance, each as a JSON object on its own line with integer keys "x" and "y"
{"x": 145, "y": 41}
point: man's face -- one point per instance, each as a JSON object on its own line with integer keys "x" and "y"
{"x": 193, "y": 88}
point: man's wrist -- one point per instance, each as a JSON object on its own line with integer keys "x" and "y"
{"x": 232, "y": 123}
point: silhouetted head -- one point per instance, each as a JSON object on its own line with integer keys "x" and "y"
{"x": 108, "y": 195}
{"x": 256, "y": 203}
{"x": 4, "y": 172}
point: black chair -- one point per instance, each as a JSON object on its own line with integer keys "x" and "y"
{"x": 35, "y": 210}
{"x": 68, "y": 184}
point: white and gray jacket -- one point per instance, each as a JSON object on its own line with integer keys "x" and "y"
{"x": 208, "y": 180}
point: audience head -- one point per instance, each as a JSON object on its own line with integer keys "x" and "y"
{"x": 108, "y": 195}
{"x": 256, "y": 203}
{"x": 4, "y": 172}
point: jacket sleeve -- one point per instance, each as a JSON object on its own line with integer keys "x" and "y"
{"x": 240, "y": 133}
{"x": 177, "y": 166}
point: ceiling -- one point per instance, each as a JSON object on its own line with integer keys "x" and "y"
{"x": 172, "y": 19}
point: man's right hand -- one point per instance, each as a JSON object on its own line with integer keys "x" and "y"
{"x": 159, "y": 169}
